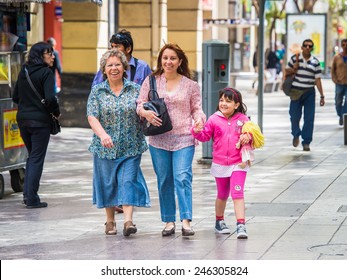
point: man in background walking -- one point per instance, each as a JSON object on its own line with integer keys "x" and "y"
{"x": 339, "y": 77}
{"x": 303, "y": 98}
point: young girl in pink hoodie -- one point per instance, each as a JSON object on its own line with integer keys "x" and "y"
{"x": 225, "y": 128}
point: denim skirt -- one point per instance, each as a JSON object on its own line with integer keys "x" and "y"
{"x": 119, "y": 182}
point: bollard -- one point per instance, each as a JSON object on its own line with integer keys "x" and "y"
{"x": 345, "y": 127}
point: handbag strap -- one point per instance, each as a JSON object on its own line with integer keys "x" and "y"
{"x": 33, "y": 87}
{"x": 152, "y": 94}
{"x": 43, "y": 102}
{"x": 296, "y": 67}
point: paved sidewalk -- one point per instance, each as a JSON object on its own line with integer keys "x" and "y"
{"x": 296, "y": 201}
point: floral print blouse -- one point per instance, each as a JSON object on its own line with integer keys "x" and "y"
{"x": 117, "y": 115}
{"x": 184, "y": 105}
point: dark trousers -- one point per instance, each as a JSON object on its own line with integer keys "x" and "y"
{"x": 36, "y": 140}
{"x": 305, "y": 103}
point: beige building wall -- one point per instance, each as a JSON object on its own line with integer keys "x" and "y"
{"x": 185, "y": 29}
{"x": 148, "y": 26}
{"x": 84, "y": 36}
{"x": 136, "y": 17}
{"x": 158, "y": 22}
{"x": 151, "y": 23}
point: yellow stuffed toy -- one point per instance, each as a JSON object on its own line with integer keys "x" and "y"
{"x": 257, "y": 142}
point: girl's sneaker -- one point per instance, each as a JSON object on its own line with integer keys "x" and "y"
{"x": 241, "y": 232}
{"x": 221, "y": 227}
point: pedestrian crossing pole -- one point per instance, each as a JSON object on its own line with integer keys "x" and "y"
{"x": 345, "y": 127}
{"x": 261, "y": 62}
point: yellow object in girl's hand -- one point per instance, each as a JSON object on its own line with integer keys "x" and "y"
{"x": 257, "y": 136}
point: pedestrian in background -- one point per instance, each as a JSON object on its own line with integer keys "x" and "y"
{"x": 57, "y": 69}
{"x": 308, "y": 75}
{"x": 271, "y": 61}
{"x": 172, "y": 152}
{"x": 117, "y": 144}
{"x": 225, "y": 128}
{"x": 339, "y": 77}
{"x": 255, "y": 64}
{"x": 34, "y": 120}
{"x": 137, "y": 71}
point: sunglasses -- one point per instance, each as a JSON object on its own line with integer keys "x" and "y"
{"x": 123, "y": 39}
{"x": 307, "y": 46}
{"x": 344, "y": 45}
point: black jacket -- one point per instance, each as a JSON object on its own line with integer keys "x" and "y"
{"x": 29, "y": 105}
{"x": 271, "y": 60}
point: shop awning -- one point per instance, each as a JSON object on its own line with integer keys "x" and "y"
{"x": 98, "y": 2}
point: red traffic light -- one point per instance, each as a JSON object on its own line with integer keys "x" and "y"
{"x": 222, "y": 66}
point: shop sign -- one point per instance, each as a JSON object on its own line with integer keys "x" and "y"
{"x": 12, "y": 138}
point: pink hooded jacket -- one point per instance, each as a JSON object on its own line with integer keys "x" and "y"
{"x": 225, "y": 134}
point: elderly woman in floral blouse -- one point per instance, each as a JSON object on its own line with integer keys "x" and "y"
{"x": 117, "y": 144}
{"x": 172, "y": 152}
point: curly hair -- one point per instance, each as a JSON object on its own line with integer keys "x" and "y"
{"x": 112, "y": 53}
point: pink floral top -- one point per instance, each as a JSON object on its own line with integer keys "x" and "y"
{"x": 184, "y": 106}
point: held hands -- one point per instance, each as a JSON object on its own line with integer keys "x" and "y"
{"x": 198, "y": 126}
{"x": 106, "y": 141}
{"x": 245, "y": 138}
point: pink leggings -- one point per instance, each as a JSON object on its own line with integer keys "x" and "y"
{"x": 233, "y": 185}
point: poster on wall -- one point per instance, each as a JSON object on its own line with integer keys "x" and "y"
{"x": 307, "y": 26}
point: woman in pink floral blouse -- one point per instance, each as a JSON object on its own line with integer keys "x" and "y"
{"x": 172, "y": 152}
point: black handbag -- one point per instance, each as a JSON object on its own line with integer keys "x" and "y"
{"x": 55, "y": 125}
{"x": 158, "y": 106}
{"x": 287, "y": 83}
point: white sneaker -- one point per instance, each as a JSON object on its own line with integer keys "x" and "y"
{"x": 241, "y": 232}
{"x": 221, "y": 227}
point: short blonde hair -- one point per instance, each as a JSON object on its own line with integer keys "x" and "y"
{"x": 110, "y": 53}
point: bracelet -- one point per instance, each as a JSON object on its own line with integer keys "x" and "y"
{"x": 322, "y": 97}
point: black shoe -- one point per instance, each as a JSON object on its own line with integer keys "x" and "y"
{"x": 187, "y": 232}
{"x": 306, "y": 147}
{"x": 40, "y": 205}
{"x": 296, "y": 141}
{"x": 340, "y": 121}
{"x": 168, "y": 232}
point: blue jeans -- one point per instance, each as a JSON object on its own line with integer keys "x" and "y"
{"x": 306, "y": 102}
{"x": 174, "y": 175}
{"x": 36, "y": 141}
{"x": 341, "y": 98}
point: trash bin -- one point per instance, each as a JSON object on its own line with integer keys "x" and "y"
{"x": 13, "y": 152}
